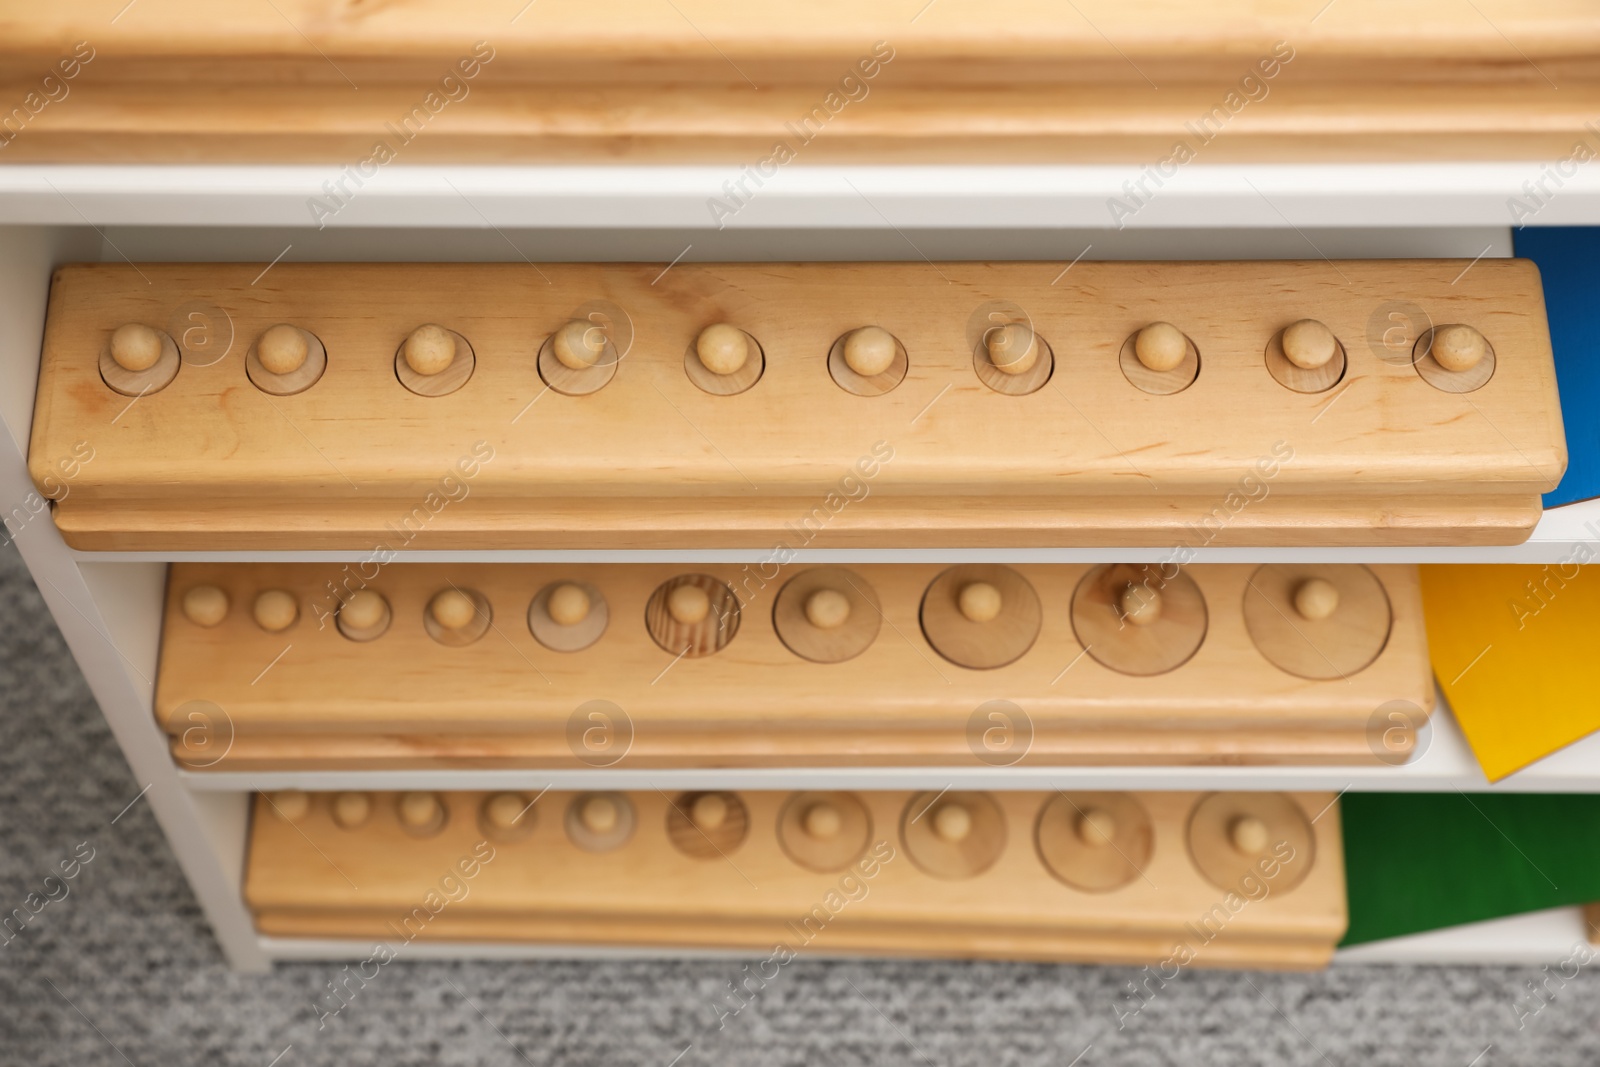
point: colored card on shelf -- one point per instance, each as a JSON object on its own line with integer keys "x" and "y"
{"x": 1425, "y": 861}
{"x": 1569, "y": 264}
{"x": 1514, "y": 649}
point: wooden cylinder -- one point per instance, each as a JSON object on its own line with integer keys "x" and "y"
{"x": 979, "y": 602}
{"x": 1316, "y": 599}
{"x": 430, "y": 349}
{"x": 822, "y": 821}
{"x": 709, "y": 811}
{"x": 1013, "y": 348}
{"x": 452, "y": 609}
{"x": 1139, "y": 604}
{"x": 135, "y": 346}
{"x": 1096, "y": 827}
{"x": 1308, "y": 344}
{"x": 827, "y": 609}
{"x": 276, "y": 610}
{"x": 722, "y": 349}
{"x": 351, "y": 810}
{"x": 505, "y": 811}
{"x": 290, "y": 804}
{"x": 205, "y": 605}
{"x": 599, "y": 815}
{"x": 688, "y": 604}
{"x": 282, "y": 349}
{"x": 363, "y": 610}
{"x": 1161, "y": 346}
{"x": 1249, "y": 835}
{"x": 1458, "y": 347}
{"x": 579, "y": 344}
{"x": 952, "y": 822}
{"x": 869, "y": 350}
{"x": 419, "y": 810}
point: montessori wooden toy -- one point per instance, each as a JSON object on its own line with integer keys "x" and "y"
{"x": 1085, "y": 876}
{"x": 658, "y": 665}
{"x": 801, "y": 405}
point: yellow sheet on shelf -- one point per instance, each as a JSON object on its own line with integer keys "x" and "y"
{"x": 1516, "y": 649}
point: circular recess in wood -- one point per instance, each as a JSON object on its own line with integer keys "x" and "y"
{"x": 1161, "y": 382}
{"x": 707, "y": 825}
{"x": 735, "y": 380}
{"x": 1095, "y": 842}
{"x": 583, "y": 612}
{"x": 702, "y": 633}
{"x": 599, "y": 822}
{"x": 421, "y": 814}
{"x": 351, "y": 810}
{"x": 506, "y": 816}
{"x": 1013, "y": 359}
{"x": 1317, "y": 621}
{"x": 442, "y": 382}
{"x": 365, "y": 616}
{"x": 457, "y": 617}
{"x": 953, "y": 835}
{"x": 135, "y": 342}
{"x": 850, "y": 380}
{"x": 1239, "y": 836}
{"x": 993, "y": 642}
{"x": 827, "y": 614}
{"x": 580, "y": 380}
{"x": 1314, "y": 379}
{"x": 1464, "y": 362}
{"x": 1112, "y": 617}
{"x": 286, "y": 344}
{"x": 824, "y": 831}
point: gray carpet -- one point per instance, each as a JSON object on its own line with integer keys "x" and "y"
{"x": 124, "y": 970}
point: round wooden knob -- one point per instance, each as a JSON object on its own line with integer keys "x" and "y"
{"x": 276, "y": 610}
{"x": 1316, "y": 599}
{"x": 135, "y": 346}
{"x": 827, "y": 609}
{"x": 1096, "y": 827}
{"x": 723, "y": 349}
{"x": 710, "y": 810}
{"x": 205, "y": 605}
{"x": 1249, "y": 835}
{"x": 1013, "y": 348}
{"x": 505, "y": 811}
{"x": 688, "y": 604}
{"x": 599, "y": 815}
{"x": 282, "y": 349}
{"x": 1458, "y": 348}
{"x": 823, "y": 821}
{"x": 578, "y": 344}
{"x": 419, "y": 810}
{"x": 869, "y": 350}
{"x": 1139, "y": 604}
{"x": 952, "y": 823}
{"x": 979, "y": 601}
{"x": 430, "y": 349}
{"x": 567, "y": 605}
{"x": 452, "y": 609}
{"x": 290, "y": 804}
{"x": 1308, "y": 344}
{"x": 1160, "y": 346}
{"x": 363, "y": 610}
{"x": 351, "y": 810}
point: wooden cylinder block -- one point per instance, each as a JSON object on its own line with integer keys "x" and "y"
{"x": 1238, "y": 836}
{"x": 599, "y": 822}
{"x": 827, "y": 614}
{"x": 365, "y": 616}
{"x": 1095, "y": 841}
{"x": 421, "y": 814}
{"x": 707, "y": 825}
{"x": 1013, "y": 359}
{"x": 692, "y": 615}
{"x": 1136, "y": 619}
{"x": 1318, "y": 621}
{"x": 351, "y": 810}
{"x": 1455, "y": 358}
{"x": 434, "y": 361}
{"x": 138, "y": 360}
{"x": 276, "y": 610}
{"x": 724, "y": 360}
{"x": 205, "y": 605}
{"x": 1160, "y": 359}
{"x": 568, "y": 616}
{"x": 285, "y": 360}
{"x": 824, "y": 831}
{"x": 579, "y": 358}
{"x": 507, "y": 816}
{"x": 457, "y": 617}
{"x": 981, "y": 615}
{"x": 135, "y": 346}
{"x": 953, "y": 835}
{"x": 868, "y": 361}
{"x": 1306, "y": 357}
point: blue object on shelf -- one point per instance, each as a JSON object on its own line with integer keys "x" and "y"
{"x": 1568, "y": 258}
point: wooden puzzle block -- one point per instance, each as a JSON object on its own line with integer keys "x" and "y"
{"x": 466, "y": 406}
{"x": 307, "y": 665}
{"x": 1184, "y": 879}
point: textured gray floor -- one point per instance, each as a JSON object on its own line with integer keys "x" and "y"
{"x": 123, "y": 969}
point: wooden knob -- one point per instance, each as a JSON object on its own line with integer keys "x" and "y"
{"x": 430, "y": 349}
{"x": 578, "y": 344}
{"x": 505, "y": 811}
{"x": 1161, "y": 346}
{"x": 419, "y": 810}
{"x": 452, "y": 609}
{"x": 823, "y": 821}
{"x": 282, "y": 349}
{"x": 135, "y": 346}
{"x": 869, "y": 351}
{"x": 827, "y": 609}
{"x": 599, "y": 815}
{"x": 276, "y": 610}
{"x": 1316, "y": 599}
{"x": 205, "y": 605}
{"x": 722, "y": 349}
{"x": 363, "y": 610}
{"x": 351, "y": 810}
{"x": 979, "y": 601}
{"x": 688, "y": 604}
{"x": 1458, "y": 348}
{"x": 1013, "y": 348}
{"x": 1139, "y": 604}
{"x": 710, "y": 810}
{"x": 952, "y": 823}
{"x": 1249, "y": 835}
{"x": 1096, "y": 827}
{"x": 567, "y": 604}
{"x": 1308, "y": 344}
{"x": 290, "y": 804}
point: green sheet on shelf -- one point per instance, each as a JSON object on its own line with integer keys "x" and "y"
{"x": 1422, "y": 861}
